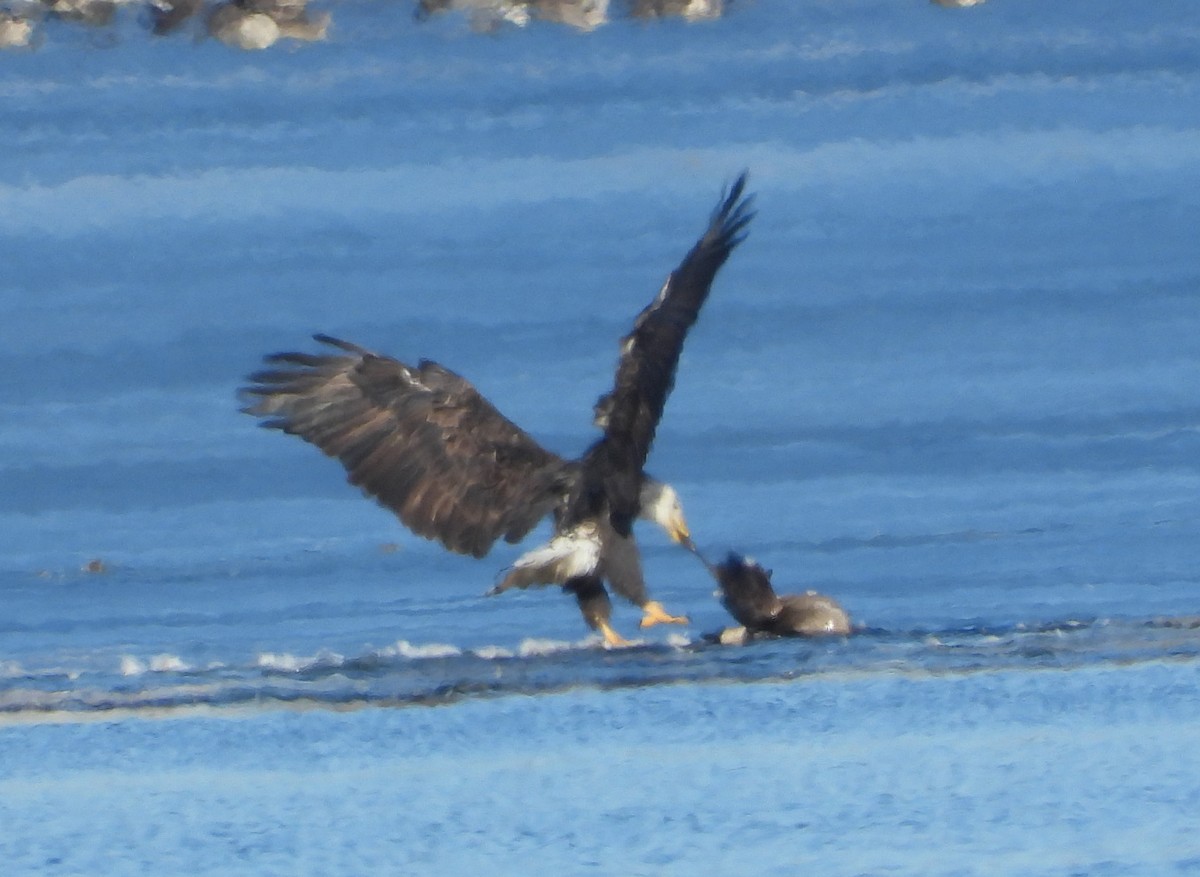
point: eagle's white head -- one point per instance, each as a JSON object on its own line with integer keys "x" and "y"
{"x": 660, "y": 504}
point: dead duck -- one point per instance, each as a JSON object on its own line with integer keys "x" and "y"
{"x": 689, "y": 10}
{"x": 95, "y": 13}
{"x": 16, "y": 29}
{"x": 490, "y": 15}
{"x": 259, "y": 24}
{"x": 747, "y": 594}
{"x": 168, "y": 16}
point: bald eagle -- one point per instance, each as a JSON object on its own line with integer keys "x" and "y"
{"x": 428, "y": 446}
{"x": 747, "y": 593}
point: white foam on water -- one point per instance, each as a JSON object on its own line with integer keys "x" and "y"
{"x": 160, "y": 663}
{"x": 11, "y": 670}
{"x": 534, "y": 647}
{"x": 167, "y": 663}
{"x": 491, "y": 653}
{"x": 17, "y": 670}
{"x": 405, "y": 649}
{"x": 678, "y": 640}
{"x": 289, "y": 663}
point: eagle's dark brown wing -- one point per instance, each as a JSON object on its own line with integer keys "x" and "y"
{"x": 629, "y": 415}
{"x": 422, "y": 441}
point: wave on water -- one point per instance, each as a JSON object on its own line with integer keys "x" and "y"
{"x": 131, "y": 666}
{"x": 283, "y": 662}
{"x": 406, "y": 674}
{"x": 402, "y": 650}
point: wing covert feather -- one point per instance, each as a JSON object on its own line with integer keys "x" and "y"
{"x": 422, "y": 441}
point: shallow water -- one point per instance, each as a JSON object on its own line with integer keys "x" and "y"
{"x": 948, "y": 379}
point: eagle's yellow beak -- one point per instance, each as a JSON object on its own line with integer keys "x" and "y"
{"x": 679, "y": 531}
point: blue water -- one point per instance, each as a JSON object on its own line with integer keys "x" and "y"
{"x": 948, "y": 379}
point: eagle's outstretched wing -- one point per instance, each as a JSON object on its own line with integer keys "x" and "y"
{"x": 422, "y": 441}
{"x": 629, "y": 415}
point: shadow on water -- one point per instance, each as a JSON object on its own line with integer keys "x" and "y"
{"x": 406, "y": 675}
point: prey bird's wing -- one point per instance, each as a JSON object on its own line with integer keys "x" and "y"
{"x": 423, "y": 441}
{"x": 747, "y": 593}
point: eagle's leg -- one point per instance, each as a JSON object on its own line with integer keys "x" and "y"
{"x": 595, "y": 607}
{"x": 622, "y": 566}
{"x": 654, "y": 613}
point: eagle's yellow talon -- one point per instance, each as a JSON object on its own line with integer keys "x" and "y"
{"x": 654, "y": 613}
{"x": 612, "y": 639}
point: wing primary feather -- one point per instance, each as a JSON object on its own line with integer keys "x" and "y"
{"x": 343, "y": 345}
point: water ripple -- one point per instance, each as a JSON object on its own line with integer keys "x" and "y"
{"x": 407, "y": 675}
